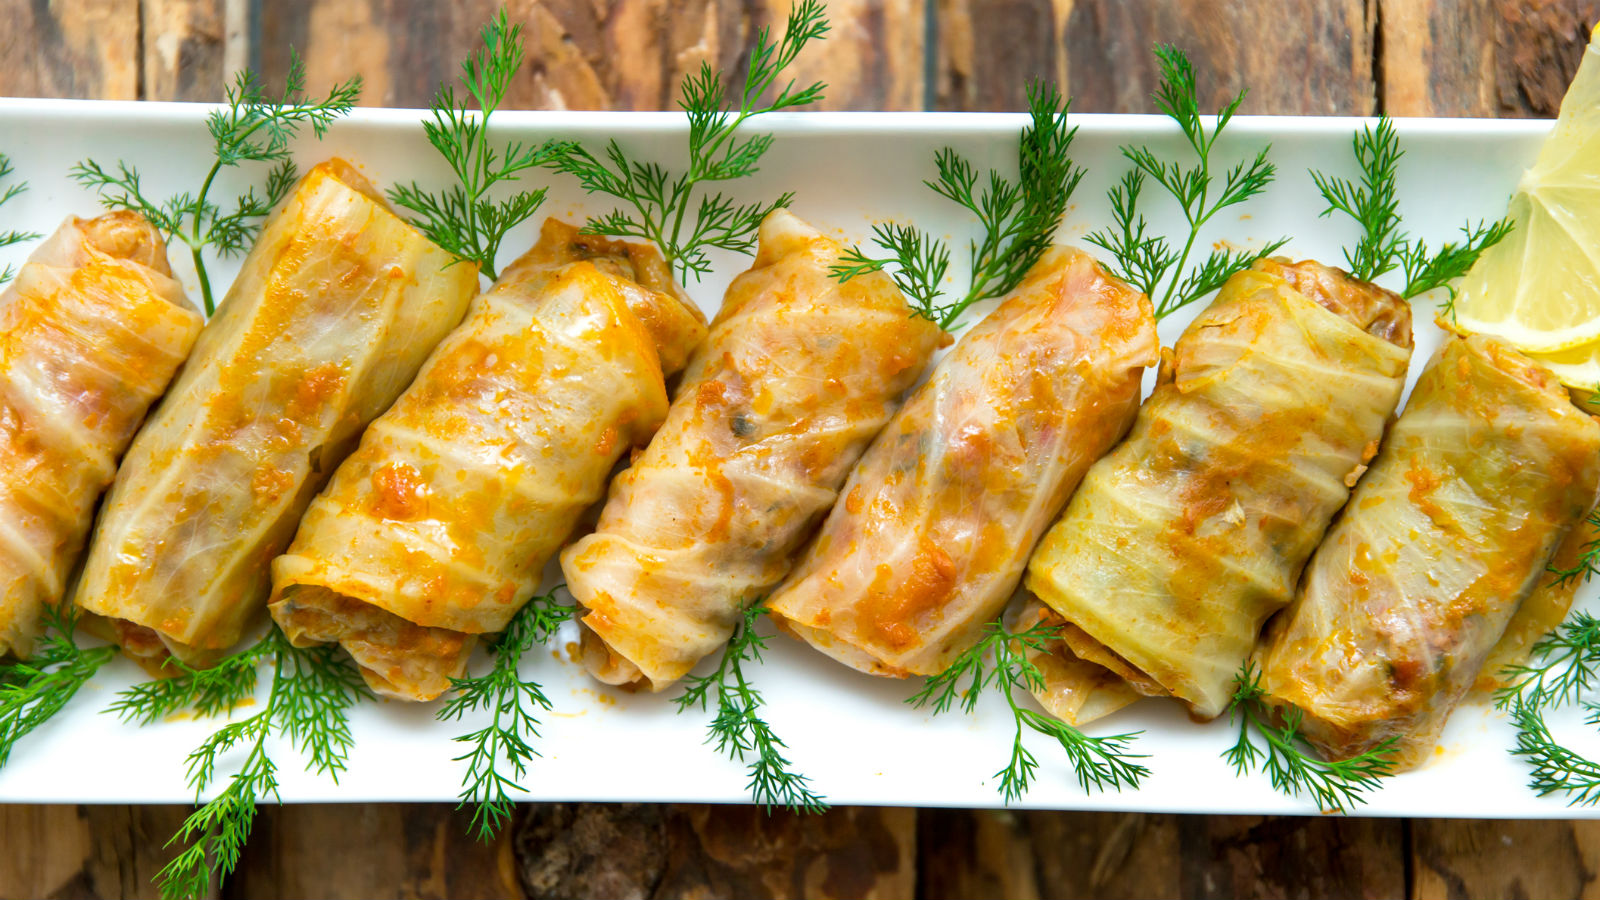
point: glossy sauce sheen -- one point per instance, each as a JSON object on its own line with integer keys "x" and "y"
{"x": 91, "y": 332}
{"x": 1186, "y": 538}
{"x": 1483, "y": 475}
{"x": 939, "y": 517}
{"x": 437, "y": 529}
{"x": 335, "y": 309}
{"x": 798, "y": 374}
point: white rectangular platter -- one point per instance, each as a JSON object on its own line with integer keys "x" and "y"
{"x": 853, "y": 735}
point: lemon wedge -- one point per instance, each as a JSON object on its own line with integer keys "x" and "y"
{"x": 1578, "y": 367}
{"x": 1539, "y": 288}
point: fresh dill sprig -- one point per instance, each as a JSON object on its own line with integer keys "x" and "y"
{"x": 1384, "y": 246}
{"x": 203, "y": 692}
{"x": 1426, "y": 271}
{"x": 1101, "y": 763}
{"x": 1335, "y": 785}
{"x": 1554, "y": 768}
{"x": 12, "y": 237}
{"x": 1372, "y": 204}
{"x": 37, "y": 688}
{"x": 1588, "y": 562}
{"x": 513, "y": 704}
{"x": 738, "y": 729}
{"x": 312, "y": 690}
{"x": 1019, "y": 219}
{"x": 1560, "y": 667}
{"x": 250, "y": 127}
{"x": 1148, "y": 261}
{"x": 464, "y": 219}
{"x": 659, "y": 202}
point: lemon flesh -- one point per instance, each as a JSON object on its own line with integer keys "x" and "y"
{"x": 1539, "y": 288}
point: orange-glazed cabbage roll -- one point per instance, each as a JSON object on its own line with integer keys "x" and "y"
{"x": 91, "y": 332}
{"x": 1454, "y": 527}
{"x": 438, "y": 527}
{"x": 1182, "y": 542}
{"x": 335, "y": 309}
{"x": 938, "y": 519}
{"x": 797, "y": 376}
{"x": 1544, "y": 610}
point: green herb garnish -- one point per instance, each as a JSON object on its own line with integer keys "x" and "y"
{"x": 1560, "y": 668}
{"x": 1101, "y": 763}
{"x": 464, "y": 219}
{"x": 513, "y": 704}
{"x": 1384, "y": 246}
{"x": 1553, "y": 768}
{"x": 251, "y": 127}
{"x": 739, "y": 731}
{"x": 660, "y": 201}
{"x": 12, "y": 237}
{"x": 1019, "y": 219}
{"x": 312, "y": 690}
{"x": 1147, "y": 261}
{"x": 204, "y": 692}
{"x": 1337, "y": 785}
{"x": 34, "y": 690}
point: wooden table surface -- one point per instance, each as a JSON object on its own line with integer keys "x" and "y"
{"x": 1329, "y": 57}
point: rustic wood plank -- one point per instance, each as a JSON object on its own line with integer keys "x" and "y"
{"x": 84, "y": 851}
{"x": 1312, "y": 57}
{"x": 988, "y": 49}
{"x": 614, "y": 54}
{"x": 1037, "y": 854}
{"x": 415, "y": 850}
{"x": 643, "y": 850}
{"x": 1437, "y": 57}
{"x": 70, "y": 48}
{"x": 1462, "y": 860}
{"x": 1537, "y": 50}
{"x": 192, "y": 47}
{"x": 1481, "y": 57}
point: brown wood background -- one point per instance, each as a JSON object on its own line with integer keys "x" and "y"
{"x": 1344, "y": 57}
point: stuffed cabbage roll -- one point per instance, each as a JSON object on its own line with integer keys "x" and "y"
{"x": 939, "y": 518}
{"x": 91, "y": 332}
{"x": 1180, "y": 544}
{"x": 334, "y": 311}
{"x": 797, "y": 376}
{"x": 438, "y": 527}
{"x": 1073, "y": 690}
{"x": 1478, "y": 483}
{"x": 1544, "y": 610}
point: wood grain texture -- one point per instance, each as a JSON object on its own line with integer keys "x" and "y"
{"x": 414, "y": 850}
{"x": 988, "y": 49}
{"x": 1312, "y": 57}
{"x": 1538, "y": 44}
{"x": 84, "y": 851}
{"x": 646, "y": 851}
{"x": 1042, "y": 854}
{"x": 1462, "y": 860}
{"x": 70, "y": 48}
{"x": 593, "y": 54}
{"x": 185, "y": 54}
{"x": 1481, "y": 57}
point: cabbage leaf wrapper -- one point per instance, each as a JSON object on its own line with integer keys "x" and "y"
{"x": 332, "y": 314}
{"x": 938, "y": 519}
{"x": 797, "y": 376}
{"x": 1454, "y": 527}
{"x": 438, "y": 528}
{"x": 1181, "y": 543}
{"x": 91, "y": 332}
